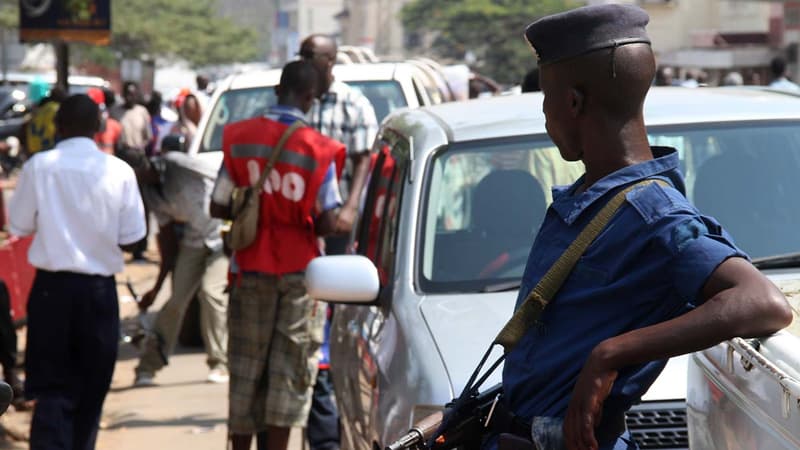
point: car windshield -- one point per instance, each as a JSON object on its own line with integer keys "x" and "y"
{"x": 385, "y": 96}
{"x": 241, "y": 104}
{"x": 235, "y": 105}
{"x": 486, "y": 199}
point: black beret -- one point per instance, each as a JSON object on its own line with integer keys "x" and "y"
{"x": 587, "y": 29}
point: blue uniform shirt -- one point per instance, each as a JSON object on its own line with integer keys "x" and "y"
{"x": 649, "y": 265}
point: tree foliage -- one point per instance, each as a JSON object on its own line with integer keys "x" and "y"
{"x": 492, "y": 30}
{"x": 191, "y": 30}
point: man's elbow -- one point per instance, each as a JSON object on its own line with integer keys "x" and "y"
{"x": 774, "y": 314}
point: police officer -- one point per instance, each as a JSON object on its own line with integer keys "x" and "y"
{"x": 660, "y": 281}
{"x": 275, "y": 329}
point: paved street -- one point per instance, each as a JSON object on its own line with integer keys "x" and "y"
{"x": 182, "y": 412}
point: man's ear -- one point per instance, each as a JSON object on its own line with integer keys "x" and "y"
{"x": 576, "y": 101}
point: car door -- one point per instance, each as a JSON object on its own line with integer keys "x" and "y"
{"x": 361, "y": 335}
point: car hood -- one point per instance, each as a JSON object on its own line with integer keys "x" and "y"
{"x": 463, "y": 326}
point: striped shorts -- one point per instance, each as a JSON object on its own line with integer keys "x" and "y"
{"x": 275, "y": 333}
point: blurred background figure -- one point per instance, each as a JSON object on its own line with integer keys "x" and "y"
{"x": 159, "y": 122}
{"x": 134, "y": 118}
{"x": 531, "y": 81}
{"x": 779, "y": 76}
{"x": 204, "y": 91}
{"x": 733, "y": 79}
{"x": 108, "y": 137}
{"x": 189, "y": 114}
{"x": 40, "y": 131}
{"x": 665, "y": 76}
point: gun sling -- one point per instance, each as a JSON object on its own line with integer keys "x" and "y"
{"x": 531, "y": 309}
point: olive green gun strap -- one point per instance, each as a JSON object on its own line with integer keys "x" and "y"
{"x": 531, "y": 309}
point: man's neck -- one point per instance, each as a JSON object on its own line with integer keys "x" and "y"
{"x": 625, "y": 147}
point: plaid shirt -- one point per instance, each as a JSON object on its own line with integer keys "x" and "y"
{"x": 346, "y": 115}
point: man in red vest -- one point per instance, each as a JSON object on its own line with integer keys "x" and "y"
{"x": 275, "y": 328}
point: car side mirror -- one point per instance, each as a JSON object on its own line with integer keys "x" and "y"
{"x": 343, "y": 279}
{"x": 173, "y": 143}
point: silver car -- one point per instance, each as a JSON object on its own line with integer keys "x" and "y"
{"x": 456, "y": 195}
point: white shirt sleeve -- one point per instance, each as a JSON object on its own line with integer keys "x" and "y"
{"x": 23, "y": 205}
{"x": 223, "y": 187}
{"x": 131, "y": 216}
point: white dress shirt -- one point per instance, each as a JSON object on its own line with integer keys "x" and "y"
{"x": 82, "y": 204}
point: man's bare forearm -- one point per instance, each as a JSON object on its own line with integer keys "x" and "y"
{"x": 747, "y": 304}
{"x": 361, "y": 163}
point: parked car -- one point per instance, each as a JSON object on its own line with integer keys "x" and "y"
{"x": 456, "y": 195}
{"x": 388, "y": 86}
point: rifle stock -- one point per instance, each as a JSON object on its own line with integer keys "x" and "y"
{"x": 464, "y": 429}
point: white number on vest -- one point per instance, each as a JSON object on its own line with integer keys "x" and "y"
{"x": 291, "y": 185}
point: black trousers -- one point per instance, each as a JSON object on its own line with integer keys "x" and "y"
{"x": 8, "y": 335}
{"x": 73, "y": 335}
{"x": 322, "y": 430}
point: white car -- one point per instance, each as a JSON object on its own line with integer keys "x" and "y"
{"x": 456, "y": 195}
{"x": 388, "y": 86}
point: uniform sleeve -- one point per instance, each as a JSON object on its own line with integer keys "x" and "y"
{"x": 131, "y": 216}
{"x": 365, "y": 126}
{"x": 23, "y": 206}
{"x": 698, "y": 245}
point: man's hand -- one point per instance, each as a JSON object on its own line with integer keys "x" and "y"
{"x": 345, "y": 220}
{"x": 147, "y": 299}
{"x": 586, "y": 405}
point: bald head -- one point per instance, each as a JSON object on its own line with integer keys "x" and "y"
{"x": 320, "y": 50}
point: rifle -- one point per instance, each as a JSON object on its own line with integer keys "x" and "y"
{"x": 465, "y": 421}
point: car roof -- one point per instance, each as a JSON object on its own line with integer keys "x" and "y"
{"x": 342, "y": 72}
{"x": 517, "y": 115}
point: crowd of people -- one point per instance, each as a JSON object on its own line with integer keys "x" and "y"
{"x": 96, "y": 157}
{"x": 302, "y": 168}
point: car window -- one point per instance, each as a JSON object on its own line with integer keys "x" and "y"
{"x": 385, "y": 96}
{"x": 484, "y": 204}
{"x": 377, "y": 236}
{"x": 235, "y": 105}
{"x": 745, "y": 175}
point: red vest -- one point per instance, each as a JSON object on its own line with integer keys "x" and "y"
{"x": 286, "y": 241}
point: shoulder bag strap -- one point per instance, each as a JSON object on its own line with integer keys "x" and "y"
{"x": 276, "y": 152}
{"x": 531, "y": 309}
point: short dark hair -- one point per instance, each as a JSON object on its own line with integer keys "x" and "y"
{"x": 78, "y": 115}
{"x": 531, "y": 81}
{"x": 299, "y": 78}
{"x": 777, "y": 66}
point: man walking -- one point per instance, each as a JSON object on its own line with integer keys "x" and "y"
{"x": 177, "y": 189}
{"x": 343, "y": 114}
{"x": 84, "y": 208}
{"x": 275, "y": 328}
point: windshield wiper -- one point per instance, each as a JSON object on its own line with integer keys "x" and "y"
{"x": 502, "y": 287}
{"x": 778, "y": 261}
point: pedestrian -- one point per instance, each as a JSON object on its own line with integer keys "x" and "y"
{"x": 203, "y": 91}
{"x": 343, "y": 114}
{"x": 160, "y": 125}
{"x": 189, "y": 114}
{"x": 108, "y": 137}
{"x": 660, "y": 281}
{"x": 136, "y": 135}
{"x": 275, "y": 327}
{"x": 177, "y": 189}
{"x": 134, "y": 118}
{"x": 40, "y": 130}
{"x": 733, "y": 79}
{"x": 83, "y": 208}
{"x": 779, "y": 80}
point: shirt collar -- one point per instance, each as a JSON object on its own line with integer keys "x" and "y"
{"x": 77, "y": 143}
{"x": 570, "y": 205}
{"x": 289, "y": 112}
